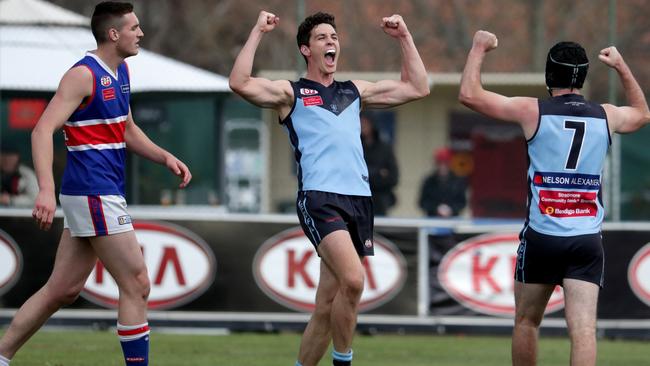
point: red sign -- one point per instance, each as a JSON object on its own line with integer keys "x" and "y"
{"x": 24, "y": 113}
{"x": 479, "y": 274}
{"x": 181, "y": 267}
{"x": 287, "y": 269}
{"x": 567, "y": 203}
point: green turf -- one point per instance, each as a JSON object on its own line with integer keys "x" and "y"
{"x": 49, "y": 348}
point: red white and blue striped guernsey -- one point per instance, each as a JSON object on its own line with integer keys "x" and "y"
{"x": 94, "y": 134}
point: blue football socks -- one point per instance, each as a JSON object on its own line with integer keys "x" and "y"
{"x": 135, "y": 343}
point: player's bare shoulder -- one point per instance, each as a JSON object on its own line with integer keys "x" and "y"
{"x": 77, "y": 81}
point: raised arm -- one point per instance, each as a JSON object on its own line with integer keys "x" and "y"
{"x": 522, "y": 110}
{"x": 139, "y": 143}
{"x": 259, "y": 91}
{"x": 636, "y": 114}
{"x": 413, "y": 83}
{"x": 75, "y": 85}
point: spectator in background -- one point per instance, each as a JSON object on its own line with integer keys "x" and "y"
{"x": 443, "y": 192}
{"x": 382, "y": 167}
{"x": 19, "y": 184}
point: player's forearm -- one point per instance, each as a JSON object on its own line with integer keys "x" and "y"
{"x": 243, "y": 67}
{"x": 413, "y": 71}
{"x": 633, "y": 92}
{"x": 42, "y": 156}
{"x": 138, "y": 143}
{"x": 470, "y": 82}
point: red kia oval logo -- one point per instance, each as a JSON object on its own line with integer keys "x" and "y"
{"x": 11, "y": 262}
{"x": 638, "y": 274}
{"x": 181, "y": 267}
{"x": 479, "y": 274}
{"x": 287, "y": 268}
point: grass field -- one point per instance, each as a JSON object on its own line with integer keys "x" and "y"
{"x": 50, "y": 348}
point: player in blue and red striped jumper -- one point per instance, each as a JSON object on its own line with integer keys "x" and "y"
{"x": 92, "y": 105}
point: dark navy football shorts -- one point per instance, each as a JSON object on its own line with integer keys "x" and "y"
{"x": 550, "y": 259}
{"x": 321, "y": 213}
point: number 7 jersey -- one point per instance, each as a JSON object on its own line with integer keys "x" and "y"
{"x": 566, "y": 158}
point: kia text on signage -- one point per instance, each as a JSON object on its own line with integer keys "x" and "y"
{"x": 181, "y": 267}
{"x": 479, "y": 274}
{"x": 287, "y": 268}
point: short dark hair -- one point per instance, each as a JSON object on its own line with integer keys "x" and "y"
{"x": 566, "y": 66}
{"x": 106, "y": 16}
{"x": 305, "y": 28}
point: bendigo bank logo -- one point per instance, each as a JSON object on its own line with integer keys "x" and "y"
{"x": 286, "y": 268}
{"x": 479, "y": 274}
{"x": 638, "y": 274}
{"x": 11, "y": 262}
{"x": 181, "y": 267}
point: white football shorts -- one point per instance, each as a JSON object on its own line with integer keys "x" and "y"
{"x": 95, "y": 215}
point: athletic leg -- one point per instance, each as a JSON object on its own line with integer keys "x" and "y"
{"x": 74, "y": 261}
{"x": 122, "y": 257}
{"x": 581, "y": 299}
{"x": 317, "y": 335}
{"x": 530, "y": 303}
{"x": 337, "y": 250}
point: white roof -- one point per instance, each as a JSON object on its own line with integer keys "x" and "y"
{"x": 35, "y": 57}
{"x": 38, "y": 12}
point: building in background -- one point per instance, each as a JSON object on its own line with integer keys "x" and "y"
{"x": 179, "y": 106}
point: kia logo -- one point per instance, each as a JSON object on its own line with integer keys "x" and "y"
{"x": 479, "y": 274}
{"x": 638, "y": 274}
{"x": 11, "y": 262}
{"x": 181, "y": 267}
{"x": 287, "y": 269}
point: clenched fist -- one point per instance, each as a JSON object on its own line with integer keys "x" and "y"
{"x": 485, "y": 41}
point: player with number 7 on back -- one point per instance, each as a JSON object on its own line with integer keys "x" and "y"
{"x": 567, "y": 141}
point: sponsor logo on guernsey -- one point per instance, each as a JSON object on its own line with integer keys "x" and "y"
{"x": 334, "y": 108}
{"x": 310, "y": 101}
{"x": 105, "y": 80}
{"x": 479, "y": 274}
{"x": 108, "y": 94}
{"x": 125, "y": 88}
{"x": 181, "y": 267}
{"x": 307, "y": 91}
{"x": 567, "y": 203}
{"x": 567, "y": 180}
{"x": 124, "y": 220}
{"x": 287, "y": 269}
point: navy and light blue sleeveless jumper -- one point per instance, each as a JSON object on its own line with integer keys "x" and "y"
{"x": 566, "y": 158}
{"x": 325, "y": 132}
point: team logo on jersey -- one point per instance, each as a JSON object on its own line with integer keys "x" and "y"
{"x": 306, "y": 91}
{"x": 334, "y": 108}
{"x": 126, "y": 88}
{"x": 310, "y": 101}
{"x": 105, "y": 80}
